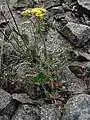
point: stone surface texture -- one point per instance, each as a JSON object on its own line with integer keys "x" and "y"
{"x": 26, "y": 112}
{"x": 77, "y": 34}
{"x": 84, "y": 3}
{"x": 78, "y": 108}
{"x": 5, "y": 99}
{"x": 75, "y": 85}
{"x": 50, "y": 112}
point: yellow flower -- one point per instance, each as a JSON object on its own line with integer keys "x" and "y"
{"x": 26, "y": 13}
{"x": 38, "y": 12}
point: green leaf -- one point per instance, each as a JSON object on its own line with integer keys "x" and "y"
{"x": 39, "y": 78}
{"x": 88, "y": 74}
{"x": 87, "y": 68}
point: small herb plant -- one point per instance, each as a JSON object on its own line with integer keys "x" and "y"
{"x": 45, "y": 77}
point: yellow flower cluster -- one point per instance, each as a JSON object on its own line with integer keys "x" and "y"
{"x": 38, "y": 12}
{"x": 26, "y": 13}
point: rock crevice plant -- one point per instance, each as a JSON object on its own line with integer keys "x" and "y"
{"x": 20, "y": 42}
{"x": 25, "y": 52}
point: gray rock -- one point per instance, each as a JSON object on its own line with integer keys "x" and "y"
{"x": 21, "y": 3}
{"x": 57, "y": 10}
{"x": 74, "y": 84}
{"x": 57, "y": 47}
{"x": 7, "y": 112}
{"x": 62, "y": 19}
{"x": 77, "y": 34}
{"x": 5, "y": 99}
{"x": 66, "y": 7}
{"x": 7, "y": 105}
{"x": 77, "y": 108}
{"x": 78, "y": 65}
{"x": 2, "y": 2}
{"x": 84, "y": 3}
{"x": 81, "y": 56}
{"x": 79, "y": 70}
{"x": 26, "y": 112}
{"x": 21, "y": 97}
{"x": 46, "y": 112}
{"x": 25, "y": 99}
{"x": 50, "y": 3}
{"x": 5, "y": 117}
{"x": 50, "y": 112}
{"x": 88, "y": 23}
{"x": 83, "y": 7}
{"x": 76, "y": 69}
{"x": 12, "y": 2}
{"x": 70, "y": 17}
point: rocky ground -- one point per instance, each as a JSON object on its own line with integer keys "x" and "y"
{"x": 68, "y": 45}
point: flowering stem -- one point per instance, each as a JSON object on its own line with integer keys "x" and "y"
{"x": 43, "y": 39}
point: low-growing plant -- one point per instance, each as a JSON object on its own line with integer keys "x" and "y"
{"x": 20, "y": 42}
{"x": 23, "y": 51}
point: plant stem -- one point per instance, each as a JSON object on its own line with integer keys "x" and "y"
{"x": 12, "y": 16}
{"x": 9, "y": 40}
{"x": 2, "y": 43}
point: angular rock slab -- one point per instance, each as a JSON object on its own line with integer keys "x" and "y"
{"x": 77, "y": 108}
{"x": 5, "y": 99}
{"x": 50, "y": 3}
{"x": 22, "y": 97}
{"x": 77, "y": 34}
{"x": 74, "y": 84}
{"x": 7, "y": 105}
{"x": 25, "y": 99}
{"x": 21, "y": 3}
{"x": 84, "y": 3}
{"x": 57, "y": 47}
{"x": 8, "y": 112}
{"x": 80, "y": 56}
{"x": 50, "y": 112}
{"x": 26, "y": 112}
{"x": 29, "y": 112}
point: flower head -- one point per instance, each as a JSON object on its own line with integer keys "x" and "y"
{"x": 26, "y": 13}
{"x": 38, "y": 12}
